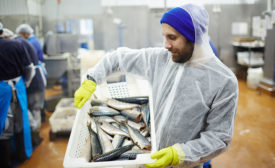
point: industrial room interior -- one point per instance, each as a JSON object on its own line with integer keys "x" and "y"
{"x": 76, "y": 34}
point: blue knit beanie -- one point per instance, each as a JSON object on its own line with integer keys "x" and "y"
{"x": 180, "y": 20}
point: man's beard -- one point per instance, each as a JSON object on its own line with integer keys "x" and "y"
{"x": 181, "y": 57}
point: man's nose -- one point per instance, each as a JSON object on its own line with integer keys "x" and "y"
{"x": 167, "y": 45}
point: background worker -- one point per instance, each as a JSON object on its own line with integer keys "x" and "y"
{"x": 35, "y": 92}
{"x": 15, "y": 69}
{"x": 194, "y": 94}
{"x": 26, "y": 31}
{"x": 7, "y": 33}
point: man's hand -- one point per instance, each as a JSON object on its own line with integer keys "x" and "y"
{"x": 166, "y": 157}
{"x": 84, "y": 93}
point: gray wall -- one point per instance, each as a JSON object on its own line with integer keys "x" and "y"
{"x": 221, "y": 23}
{"x": 135, "y": 33}
{"x": 53, "y": 12}
{"x": 143, "y": 27}
{"x": 13, "y": 21}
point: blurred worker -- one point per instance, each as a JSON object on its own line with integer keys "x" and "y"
{"x": 35, "y": 92}
{"x": 14, "y": 123}
{"x": 194, "y": 94}
{"x": 7, "y": 33}
{"x": 26, "y": 31}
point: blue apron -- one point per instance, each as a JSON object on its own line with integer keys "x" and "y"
{"x": 5, "y": 99}
{"x": 22, "y": 98}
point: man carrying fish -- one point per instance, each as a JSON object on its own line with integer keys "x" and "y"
{"x": 194, "y": 94}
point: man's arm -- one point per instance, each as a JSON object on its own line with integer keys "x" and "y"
{"x": 140, "y": 62}
{"x": 219, "y": 131}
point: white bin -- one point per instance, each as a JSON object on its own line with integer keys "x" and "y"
{"x": 62, "y": 119}
{"x": 78, "y": 153}
{"x": 254, "y": 76}
{"x": 65, "y": 102}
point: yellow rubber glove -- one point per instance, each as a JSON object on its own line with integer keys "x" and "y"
{"x": 167, "y": 157}
{"x": 83, "y": 93}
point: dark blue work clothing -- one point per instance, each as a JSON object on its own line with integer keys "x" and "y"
{"x": 13, "y": 59}
{"x": 37, "y": 81}
{"x": 34, "y": 41}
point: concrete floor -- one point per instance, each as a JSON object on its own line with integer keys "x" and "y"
{"x": 253, "y": 144}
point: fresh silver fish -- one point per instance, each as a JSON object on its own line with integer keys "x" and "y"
{"x": 118, "y": 141}
{"x": 138, "y": 126}
{"x": 119, "y": 118}
{"x": 127, "y": 156}
{"x": 133, "y": 114}
{"x": 123, "y": 128}
{"x": 127, "y": 142}
{"x": 114, "y": 154}
{"x": 110, "y": 137}
{"x": 105, "y": 119}
{"x": 105, "y": 143}
{"x": 136, "y": 100}
{"x": 103, "y": 111}
{"x": 95, "y": 144}
{"x": 97, "y": 102}
{"x": 110, "y": 129}
{"x": 115, "y": 124}
{"x": 138, "y": 139}
{"x": 120, "y": 105}
{"x": 145, "y": 111}
{"x": 93, "y": 124}
{"x": 145, "y": 132}
{"x": 132, "y": 154}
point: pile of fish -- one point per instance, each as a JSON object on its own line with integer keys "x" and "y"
{"x": 119, "y": 128}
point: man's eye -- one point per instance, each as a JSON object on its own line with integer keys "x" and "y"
{"x": 172, "y": 37}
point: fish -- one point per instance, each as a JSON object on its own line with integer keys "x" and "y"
{"x": 109, "y": 137}
{"x": 118, "y": 141}
{"x": 105, "y": 119}
{"x": 110, "y": 129}
{"x": 133, "y": 114}
{"x": 120, "y": 105}
{"x": 136, "y": 100}
{"x": 95, "y": 144}
{"x": 119, "y": 118}
{"x": 145, "y": 132}
{"x": 138, "y": 126}
{"x": 115, "y": 125}
{"x": 127, "y": 142}
{"x": 127, "y": 156}
{"x": 97, "y": 102}
{"x": 145, "y": 111}
{"x": 105, "y": 143}
{"x": 93, "y": 124}
{"x": 132, "y": 154}
{"x": 103, "y": 111}
{"x": 114, "y": 154}
{"x": 123, "y": 128}
{"x": 138, "y": 139}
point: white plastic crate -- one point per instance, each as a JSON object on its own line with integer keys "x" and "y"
{"x": 62, "y": 119}
{"x": 78, "y": 149}
{"x": 65, "y": 102}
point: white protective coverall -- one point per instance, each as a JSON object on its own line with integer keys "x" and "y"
{"x": 194, "y": 102}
